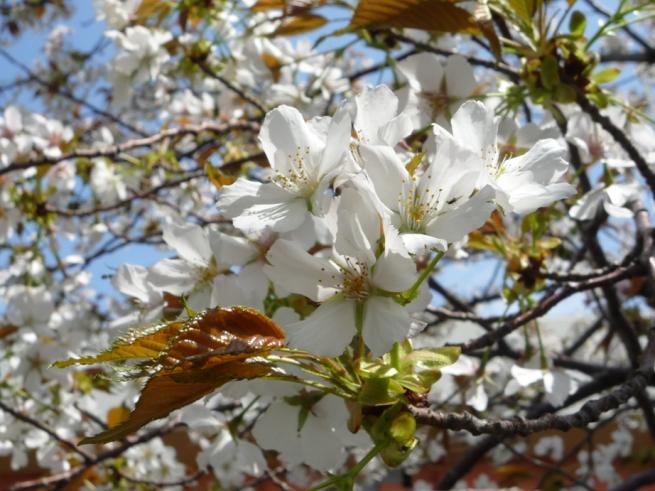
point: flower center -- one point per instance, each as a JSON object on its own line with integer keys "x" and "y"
{"x": 355, "y": 279}
{"x": 490, "y": 157}
{"x": 296, "y": 179}
{"x": 418, "y": 205}
{"x": 439, "y": 102}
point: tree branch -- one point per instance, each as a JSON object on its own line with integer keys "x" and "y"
{"x": 112, "y": 150}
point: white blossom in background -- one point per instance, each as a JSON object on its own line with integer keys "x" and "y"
{"x": 203, "y": 255}
{"x": 551, "y": 447}
{"x": 13, "y": 140}
{"x": 116, "y": 13}
{"x": 139, "y": 60}
{"x": 107, "y": 183}
{"x": 435, "y": 89}
{"x": 556, "y": 382}
{"x": 613, "y": 199}
{"x": 132, "y": 280}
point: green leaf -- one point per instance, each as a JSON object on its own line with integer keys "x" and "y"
{"x": 549, "y": 72}
{"x": 379, "y": 391}
{"x": 606, "y": 75}
{"x": 434, "y": 358}
{"x": 402, "y": 428}
{"x": 599, "y": 98}
{"x": 525, "y": 9}
{"x": 420, "y": 382}
{"x": 429, "y": 15}
{"x": 577, "y": 23}
{"x": 392, "y": 432}
{"x": 565, "y": 93}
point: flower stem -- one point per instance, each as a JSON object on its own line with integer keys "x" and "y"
{"x": 410, "y": 294}
{"x": 347, "y": 480}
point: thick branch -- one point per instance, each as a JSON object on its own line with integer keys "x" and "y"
{"x": 589, "y": 413}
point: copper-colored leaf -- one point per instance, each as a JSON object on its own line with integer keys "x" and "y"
{"x": 153, "y": 8}
{"x": 169, "y": 391}
{"x": 240, "y": 321}
{"x": 289, "y": 6}
{"x": 117, "y": 415}
{"x": 143, "y": 344}
{"x": 299, "y": 24}
{"x": 217, "y": 178}
{"x": 223, "y": 335}
{"x": 263, "y": 5}
{"x": 6, "y": 330}
{"x": 484, "y": 19}
{"x": 429, "y": 15}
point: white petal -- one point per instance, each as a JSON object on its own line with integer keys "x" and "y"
{"x": 175, "y": 276}
{"x": 285, "y": 136}
{"x": 385, "y": 323}
{"x": 230, "y": 250}
{"x": 375, "y": 107}
{"x": 386, "y": 172}
{"x": 299, "y": 272}
{"x": 130, "y": 279}
{"x": 421, "y": 243}
{"x": 587, "y": 206}
{"x": 280, "y": 419}
{"x": 322, "y": 449}
{"x": 620, "y": 194}
{"x": 200, "y": 298}
{"x": 284, "y": 215}
{"x": 423, "y": 71}
{"x": 227, "y": 290}
{"x": 478, "y": 398}
{"x": 526, "y": 376}
{"x": 527, "y": 197}
{"x": 475, "y": 126}
{"x": 189, "y": 241}
{"x": 545, "y": 161}
{"x": 617, "y": 211}
{"x": 285, "y": 316}
{"x": 236, "y": 197}
{"x": 13, "y": 119}
{"x": 337, "y": 142}
{"x": 557, "y": 385}
{"x": 327, "y": 331}
{"x": 460, "y": 80}
{"x": 465, "y": 365}
{"x": 455, "y": 224}
{"x": 399, "y": 127}
{"x": 394, "y": 272}
{"x": 358, "y": 226}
